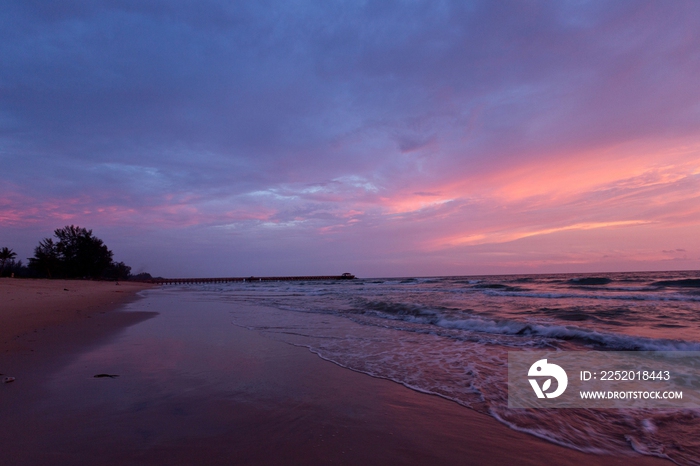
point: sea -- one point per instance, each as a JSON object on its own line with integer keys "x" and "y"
{"x": 450, "y": 337}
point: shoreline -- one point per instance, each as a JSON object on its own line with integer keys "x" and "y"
{"x": 257, "y": 400}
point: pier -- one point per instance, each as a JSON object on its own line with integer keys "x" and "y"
{"x": 183, "y": 281}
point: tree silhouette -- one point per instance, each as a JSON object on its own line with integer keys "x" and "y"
{"x": 117, "y": 271}
{"x": 82, "y": 254}
{"x": 76, "y": 254}
{"x": 6, "y": 254}
{"x": 46, "y": 258}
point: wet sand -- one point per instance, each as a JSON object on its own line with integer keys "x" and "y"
{"x": 195, "y": 389}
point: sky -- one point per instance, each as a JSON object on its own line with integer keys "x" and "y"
{"x": 382, "y": 138}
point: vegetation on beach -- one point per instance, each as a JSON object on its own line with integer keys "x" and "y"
{"x": 7, "y": 257}
{"x": 8, "y": 265}
{"x": 75, "y": 253}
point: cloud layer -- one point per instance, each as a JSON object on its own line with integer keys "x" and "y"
{"x": 390, "y": 138}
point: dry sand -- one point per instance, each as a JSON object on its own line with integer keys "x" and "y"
{"x": 291, "y": 407}
{"x": 28, "y": 306}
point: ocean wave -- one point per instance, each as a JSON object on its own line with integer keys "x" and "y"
{"x": 466, "y": 282}
{"x": 685, "y": 283}
{"x": 400, "y": 310}
{"x": 499, "y": 286}
{"x": 625, "y": 297}
{"x": 590, "y": 281}
{"x": 605, "y": 340}
{"x": 614, "y": 316}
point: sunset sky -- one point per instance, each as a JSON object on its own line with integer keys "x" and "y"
{"x": 382, "y": 138}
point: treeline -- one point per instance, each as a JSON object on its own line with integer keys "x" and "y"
{"x": 74, "y": 253}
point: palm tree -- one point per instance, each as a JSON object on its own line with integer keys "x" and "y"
{"x": 6, "y": 254}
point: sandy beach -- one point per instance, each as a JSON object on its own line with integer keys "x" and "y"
{"x": 31, "y": 306}
{"x": 194, "y": 389}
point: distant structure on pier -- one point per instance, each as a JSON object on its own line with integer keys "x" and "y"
{"x": 178, "y": 281}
